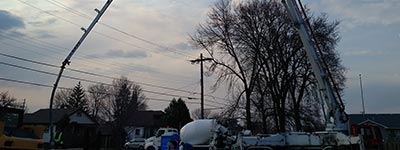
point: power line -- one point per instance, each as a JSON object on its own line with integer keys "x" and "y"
{"x": 113, "y": 28}
{"x": 97, "y": 82}
{"x": 164, "y": 100}
{"x": 95, "y": 74}
{"x": 24, "y": 2}
{"x": 146, "y": 41}
{"x": 62, "y": 48}
{"x": 25, "y": 82}
{"x": 214, "y": 108}
{"x": 73, "y": 23}
{"x": 84, "y": 15}
{"x": 49, "y": 86}
{"x": 99, "y": 32}
{"x": 81, "y": 79}
{"x": 29, "y": 60}
{"x": 66, "y": 20}
{"x": 88, "y": 73}
{"x": 59, "y": 4}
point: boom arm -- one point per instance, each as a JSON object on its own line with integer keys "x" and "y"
{"x": 339, "y": 123}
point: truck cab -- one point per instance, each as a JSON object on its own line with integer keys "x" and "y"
{"x": 154, "y": 142}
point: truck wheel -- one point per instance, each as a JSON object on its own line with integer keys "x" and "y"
{"x": 150, "y": 148}
{"x": 126, "y": 148}
{"x": 140, "y": 148}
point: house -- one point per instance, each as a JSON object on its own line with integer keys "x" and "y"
{"x": 140, "y": 124}
{"x": 79, "y": 129}
{"x": 389, "y": 124}
{"x": 143, "y": 124}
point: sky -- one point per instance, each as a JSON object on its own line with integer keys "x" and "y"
{"x": 149, "y": 42}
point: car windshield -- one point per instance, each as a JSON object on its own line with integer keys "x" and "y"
{"x": 172, "y": 131}
{"x": 137, "y": 140}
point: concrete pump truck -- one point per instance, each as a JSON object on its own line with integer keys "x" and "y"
{"x": 335, "y": 136}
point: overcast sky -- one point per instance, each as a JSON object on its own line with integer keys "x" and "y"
{"x": 157, "y": 49}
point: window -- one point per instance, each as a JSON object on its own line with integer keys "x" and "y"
{"x": 160, "y": 132}
{"x": 137, "y": 131}
{"x": 10, "y": 119}
{"x": 79, "y": 114}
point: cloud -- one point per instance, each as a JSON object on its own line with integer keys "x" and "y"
{"x": 43, "y": 23}
{"x": 185, "y": 46}
{"x": 43, "y": 34}
{"x": 363, "y": 53}
{"x": 120, "y": 54}
{"x": 9, "y": 21}
{"x": 355, "y": 13}
{"x": 129, "y": 54}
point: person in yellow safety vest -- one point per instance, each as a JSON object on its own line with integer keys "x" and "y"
{"x": 58, "y": 139}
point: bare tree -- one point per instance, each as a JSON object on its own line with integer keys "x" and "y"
{"x": 98, "y": 97}
{"x": 7, "y": 101}
{"x": 138, "y": 98}
{"x": 61, "y": 98}
{"x": 196, "y": 114}
{"x": 219, "y": 38}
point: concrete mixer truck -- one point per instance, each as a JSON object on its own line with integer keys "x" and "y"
{"x": 205, "y": 134}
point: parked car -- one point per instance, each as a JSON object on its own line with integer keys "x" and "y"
{"x": 136, "y": 144}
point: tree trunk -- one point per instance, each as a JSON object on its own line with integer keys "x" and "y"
{"x": 297, "y": 119}
{"x": 248, "y": 111}
{"x": 282, "y": 117}
{"x": 264, "y": 121}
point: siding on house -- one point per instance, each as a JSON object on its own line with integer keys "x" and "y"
{"x": 146, "y": 122}
{"x": 389, "y": 124}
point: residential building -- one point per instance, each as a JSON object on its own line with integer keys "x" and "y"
{"x": 79, "y": 129}
{"x": 389, "y": 124}
{"x": 143, "y": 124}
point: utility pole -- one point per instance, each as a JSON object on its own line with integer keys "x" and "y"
{"x": 67, "y": 62}
{"x": 201, "y": 81}
{"x": 201, "y": 86}
{"x": 362, "y": 95}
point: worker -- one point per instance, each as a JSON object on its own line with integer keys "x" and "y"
{"x": 58, "y": 139}
{"x": 172, "y": 145}
{"x": 185, "y": 146}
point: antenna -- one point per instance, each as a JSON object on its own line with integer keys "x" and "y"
{"x": 362, "y": 95}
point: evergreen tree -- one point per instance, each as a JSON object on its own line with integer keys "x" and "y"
{"x": 122, "y": 99}
{"x": 176, "y": 114}
{"x": 78, "y": 99}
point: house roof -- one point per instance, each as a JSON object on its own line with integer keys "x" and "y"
{"x": 145, "y": 118}
{"x": 42, "y": 116}
{"x": 384, "y": 120}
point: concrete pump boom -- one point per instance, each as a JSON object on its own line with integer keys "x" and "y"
{"x": 335, "y": 112}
